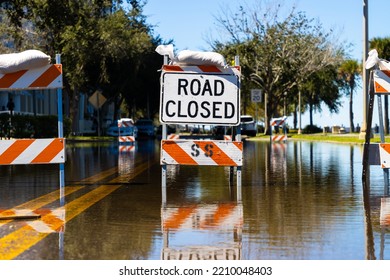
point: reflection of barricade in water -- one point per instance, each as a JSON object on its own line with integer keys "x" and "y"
{"x": 385, "y": 211}
{"x": 126, "y": 158}
{"x": 216, "y": 221}
{"x": 39, "y": 220}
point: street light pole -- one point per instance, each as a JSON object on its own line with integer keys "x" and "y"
{"x": 363, "y": 130}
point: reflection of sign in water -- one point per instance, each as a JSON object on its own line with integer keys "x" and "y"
{"x": 385, "y": 211}
{"x": 210, "y": 231}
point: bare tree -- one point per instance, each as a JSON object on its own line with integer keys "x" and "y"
{"x": 278, "y": 53}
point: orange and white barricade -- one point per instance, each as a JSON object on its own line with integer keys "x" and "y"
{"x": 32, "y": 151}
{"x": 35, "y": 151}
{"x": 201, "y": 152}
{"x": 47, "y": 77}
{"x": 278, "y": 121}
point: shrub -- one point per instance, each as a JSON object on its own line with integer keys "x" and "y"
{"x": 311, "y": 129}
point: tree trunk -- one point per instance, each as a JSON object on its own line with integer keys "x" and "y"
{"x": 351, "y": 125}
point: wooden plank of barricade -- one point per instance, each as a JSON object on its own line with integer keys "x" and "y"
{"x": 32, "y": 151}
{"x": 47, "y": 77}
{"x": 201, "y": 152}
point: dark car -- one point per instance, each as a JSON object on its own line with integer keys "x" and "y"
{"x": 145, "y": 128}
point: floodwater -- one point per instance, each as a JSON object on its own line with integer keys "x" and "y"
{"x": 298, "y": 201}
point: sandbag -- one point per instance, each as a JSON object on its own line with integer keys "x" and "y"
{"x": 25, "y": 60}
{"x": 188, "y": 57}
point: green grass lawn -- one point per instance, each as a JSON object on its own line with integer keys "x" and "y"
{"x": 329, "y": 137}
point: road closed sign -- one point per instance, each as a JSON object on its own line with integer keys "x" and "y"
{"x": 200, "y": 95}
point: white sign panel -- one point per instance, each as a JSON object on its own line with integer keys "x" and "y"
{"x": 200, "y": 98}
{"x": 256, "y": 95}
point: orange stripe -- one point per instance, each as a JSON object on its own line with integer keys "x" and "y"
{"x": 56, "y": 146}
{"x": 9, "y": 155}
{"x": 238, "y": 145}
{"x": 209, "y": 68}
{"x": 176, "y": 152}
{"x": 172, "y": 68}
{"x": 9, "y": 79}
{"x": 386, "y": 147}
{"x": 386, "y": 72}
{"x": 379, "y": 88}
{"x": 217, "y": 154}
{"x": 178, "y": 218}
{"x": 223, "y": 211}
{"x": 48, "y": 76}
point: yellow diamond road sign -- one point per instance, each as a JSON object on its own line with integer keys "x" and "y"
{"x": 97, "y": 99}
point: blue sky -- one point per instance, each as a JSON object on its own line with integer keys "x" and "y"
{"x": 189, "y": 23}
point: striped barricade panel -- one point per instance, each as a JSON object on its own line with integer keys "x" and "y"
{"x": 202, "y": 152}
{"x": 278, "y": 138}
{"x": 227, "y": 138}
{"x": 173, "y": 136}
{"x": 32, "y": 151}
{"x": 47, "y": 77}
{"x": 278, "y": 121}
{"x": 126, "y": 139}
{"x": 384, "y": 154}
{"x": 382, "y": 81}
{"x": 202, "y": 68}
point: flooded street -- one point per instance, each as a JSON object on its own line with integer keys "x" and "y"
{"x": 298, "y": 200}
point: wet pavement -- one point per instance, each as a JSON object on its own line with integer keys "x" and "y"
{"x": 298, "y": 200}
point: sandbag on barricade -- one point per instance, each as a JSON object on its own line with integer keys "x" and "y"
{"x": 25, "y": 60}
{"x": 188, "y": 57}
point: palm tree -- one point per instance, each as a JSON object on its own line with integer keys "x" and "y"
{"x": 349, "y": 71}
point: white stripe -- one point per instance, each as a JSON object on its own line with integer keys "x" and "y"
{"x": 40, "y": 226}
{"x": 166, "y": 158}
{"x": 232, "y": 151}
{"x": 5, "y": 144}
{"x": 29, "y": 77}
{"x": 32, "y": 151}
{"x": 201, "y": 158}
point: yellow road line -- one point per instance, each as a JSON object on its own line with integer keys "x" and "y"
{"x": 53, "y": 196}
{"x": 22, "y": 239}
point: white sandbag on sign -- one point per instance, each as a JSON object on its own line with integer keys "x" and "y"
{"x": 25, "y": 60}
{"x": 188, "y": 57}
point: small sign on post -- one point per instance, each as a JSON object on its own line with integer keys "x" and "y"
{"x": 256, "y": 95}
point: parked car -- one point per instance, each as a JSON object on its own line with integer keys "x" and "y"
{"x": 248, "y": 125}
{"x": 126, "y": 129}
{"x": 145, "y": 128}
